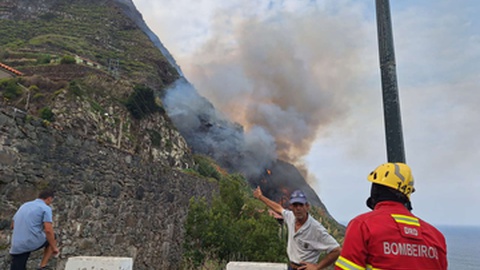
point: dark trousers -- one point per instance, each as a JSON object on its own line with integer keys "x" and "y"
{"x": 19, "y": 261}
{"x": 293, "y": 266}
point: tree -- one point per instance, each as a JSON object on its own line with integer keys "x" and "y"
{"x": 10, "y": 88}
{"x": 142, "y": 102}
{"x": 234, "y": 226}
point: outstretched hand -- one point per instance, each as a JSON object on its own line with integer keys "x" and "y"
{"x": 257, "y": 193}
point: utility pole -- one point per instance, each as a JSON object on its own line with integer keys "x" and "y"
{"x": 391, "y": 101}
{"x": 28, "y": 96}
{"x": 114, "y": 67}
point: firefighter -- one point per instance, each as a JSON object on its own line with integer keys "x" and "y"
{"x": 390, "y": 236}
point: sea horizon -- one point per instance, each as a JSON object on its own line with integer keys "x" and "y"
{"x": 463, "y": 247}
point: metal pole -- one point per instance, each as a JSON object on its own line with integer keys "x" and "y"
{"x": 391, "y": 103}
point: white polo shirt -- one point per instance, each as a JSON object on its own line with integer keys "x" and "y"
{"x": 309, "y": 241}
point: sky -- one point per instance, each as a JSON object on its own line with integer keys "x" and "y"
{"x": 308, "y": 72}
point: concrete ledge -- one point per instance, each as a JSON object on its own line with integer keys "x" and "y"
{"x": 99, "y": 263}
{"x": 255, "y": 266}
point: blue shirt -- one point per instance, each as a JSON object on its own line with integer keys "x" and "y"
{"x": 28, "y": 228}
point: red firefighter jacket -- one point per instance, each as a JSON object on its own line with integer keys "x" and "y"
{"x": 391, "y": 238}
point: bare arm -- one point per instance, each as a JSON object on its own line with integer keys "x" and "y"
{"x": 257, "y": 193}
{"x": 48, "y": 227}
{"x": 330, "y": 258}
{"x": 325, "y": 262}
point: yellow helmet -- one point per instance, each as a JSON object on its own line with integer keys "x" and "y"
{"x": 394, "y": 175}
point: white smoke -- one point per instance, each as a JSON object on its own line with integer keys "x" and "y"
{"x": 209, "y": 132}
{"x": 289, "y": 71}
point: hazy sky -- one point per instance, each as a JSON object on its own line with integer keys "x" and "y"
{"x": 307, "y": 71}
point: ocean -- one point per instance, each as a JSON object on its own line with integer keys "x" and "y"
{"x": 463, "y": 247}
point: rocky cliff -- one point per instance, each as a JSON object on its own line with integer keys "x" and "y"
{"x": 108, "y": 201}
{"x": 69, "y": 125}
{"x": 104, "y": 116}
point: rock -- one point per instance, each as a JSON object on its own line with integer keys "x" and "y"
{"x": 114, "y": 205}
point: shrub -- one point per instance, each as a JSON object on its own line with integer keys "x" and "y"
{"x": 33, "y": 88}
{"x": 206, "y": 167}
{"x": 142, "y": 102}
{"x": 47, "y": 114}
{"x": 97, "y": 107}
{"x": 155, "y": 137}
{"x": 44, "y": 59}
{"x": 232, "y": 227}
{"x": 68, "y": 60}
{"x": 10, "y": 88}
{"x": 75, "y": 89}
{"x": 38, "y": 96}
{"x": 4, "y": 54}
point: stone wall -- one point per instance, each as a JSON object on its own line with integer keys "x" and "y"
{"x": 108, "y": 202}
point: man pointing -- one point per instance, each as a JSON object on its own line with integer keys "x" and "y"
{"x": 307, "y": 238}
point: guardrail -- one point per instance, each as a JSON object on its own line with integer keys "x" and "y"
{"x": 97, "y": 263}
{"x": 256, "y": 266}
{"x": 125, "y": 263}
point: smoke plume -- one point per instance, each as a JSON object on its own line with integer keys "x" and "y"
{"x": 209, "y": 132}
{"x": 286, "y": 73}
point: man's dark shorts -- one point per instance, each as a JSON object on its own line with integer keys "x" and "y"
{"x": 19, "y": 261}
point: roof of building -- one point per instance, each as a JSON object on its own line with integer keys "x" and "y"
{"x": 10, "y": 69}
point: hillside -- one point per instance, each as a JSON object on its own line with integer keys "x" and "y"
{"x": 91, "y": 116}
{"x": 107, "y": 202}
{"x": 67, "y": 53}
{"x": 95, "y": 30}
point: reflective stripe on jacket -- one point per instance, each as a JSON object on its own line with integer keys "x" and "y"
{"x": 390, "y": 237}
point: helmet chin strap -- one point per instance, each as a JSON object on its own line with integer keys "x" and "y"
{"x": 379, "y": 193}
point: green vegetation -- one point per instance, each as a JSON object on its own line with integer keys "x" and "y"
{"x": 205, "y": 166}
{"x": 44, "y": 59}
{"x": 38, "y": 96}
{"x": 33, "y": 88}
{"x": 97, "y": 107}
{"x": 10, "y": 89}
{"x": 168, "y": 145}
{"x": 75, "y": 88}
{"x": 67, "y": 60}
{"x": 96, "y": 32}
{"x": 234, "y": 226}
{"x": 64, "y": 42}
{"x": 142, "y": 103}
{"x": 46, "y": 114}
{"x": 333, "y": 228}
{"x": 155, "y": 137}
